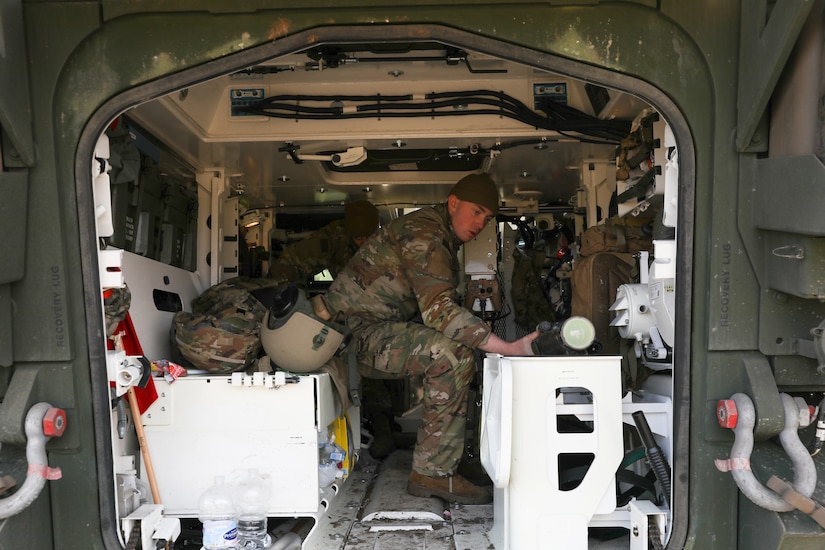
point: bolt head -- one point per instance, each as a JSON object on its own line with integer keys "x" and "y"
{"x": 726, "y": 413}
{"x": 54, "y": 422}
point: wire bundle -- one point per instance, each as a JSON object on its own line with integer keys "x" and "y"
{"x": 557, "y": 117}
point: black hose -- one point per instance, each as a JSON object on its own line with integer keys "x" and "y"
{"x": 657, "y": 459}
{"x": 472, "y": 102}
{"x": 816, "y": 443}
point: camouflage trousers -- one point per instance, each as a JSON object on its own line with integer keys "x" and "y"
{"x": 447, "y": 367}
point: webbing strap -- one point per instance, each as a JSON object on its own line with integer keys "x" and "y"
{"x": 621, "y": 238}
{"x": 354, "y": 377}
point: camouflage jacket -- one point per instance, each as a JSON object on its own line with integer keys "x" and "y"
{"x": 328, "y": 248}
{"x": 409, "y": 267}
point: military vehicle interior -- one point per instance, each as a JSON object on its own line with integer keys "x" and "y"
{"x": 588, "y": 182}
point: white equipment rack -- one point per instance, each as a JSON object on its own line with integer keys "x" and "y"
{"x": 521, "y": 442}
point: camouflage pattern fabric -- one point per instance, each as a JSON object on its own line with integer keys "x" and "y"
{"x": 529, "y": 302}
{"x": 233, "y": 293}
{"x": 328, "y": 248}
{"x": 406, "y": 269}
{"x": 116, "y": 302}
{"x": 411, "y": 349}
{"x": 220, "y": 343}
{"x": 223, "y": 332}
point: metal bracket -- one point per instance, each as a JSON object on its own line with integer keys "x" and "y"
{"x": 779, "y": 184}
{"x": 13, "y": 224}
{"x": 770, "y": 412}
{"x": 16, "y": 404}
{"x": 764, "y": 47}
{"x": 6, "y": 327}
{"x": 15, "y": 106}
{"x": 643, "y": 514}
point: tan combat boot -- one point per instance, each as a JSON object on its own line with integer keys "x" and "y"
{"x": 453, "y": 488}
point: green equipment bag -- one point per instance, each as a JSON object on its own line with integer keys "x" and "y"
{"x": 529, "y": 302}
{"x": 615, "y": 237}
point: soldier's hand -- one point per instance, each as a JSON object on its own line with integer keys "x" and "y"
{"x": 522, "y": 346}
{"x": 525, "y": 343}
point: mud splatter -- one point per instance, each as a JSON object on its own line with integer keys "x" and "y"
{"x": 279, "y": 28}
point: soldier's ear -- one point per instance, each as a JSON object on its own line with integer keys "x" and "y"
{"x": 452, "y": 204}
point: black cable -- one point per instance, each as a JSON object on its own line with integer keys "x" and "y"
{"x": 657, "y": 459}
{"x": 815, "y": 444}
{"x": 559, "y": 117}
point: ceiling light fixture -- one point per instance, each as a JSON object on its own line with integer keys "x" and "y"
{"x": 251, "y": 218}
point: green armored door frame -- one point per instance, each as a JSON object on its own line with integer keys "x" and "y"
{"x": 126, "y": 58}
{"x": 570, "y": 41}
{"x": 95, "y": 60}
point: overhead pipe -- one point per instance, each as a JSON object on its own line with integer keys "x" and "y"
{"x": 739, "y": 414}
{"x": 42, "y": 423}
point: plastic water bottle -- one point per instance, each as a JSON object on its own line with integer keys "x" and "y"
{"x": 216, "y": 510}
{"x": 252, "y": 498}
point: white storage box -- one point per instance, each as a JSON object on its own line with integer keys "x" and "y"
{"x": 203, "y": 426}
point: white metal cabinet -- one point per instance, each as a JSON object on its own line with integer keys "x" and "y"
{"x": 203, "y": 426}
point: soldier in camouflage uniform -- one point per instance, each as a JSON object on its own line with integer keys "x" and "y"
{"x": 408, "y": 269}
{"x": 331, "y": 247}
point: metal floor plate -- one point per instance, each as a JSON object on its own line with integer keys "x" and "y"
{"x": 373, "y": 511}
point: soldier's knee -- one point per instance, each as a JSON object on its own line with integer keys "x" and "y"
{"x": 459, "y": 362}
{"x": 466, "y": 363}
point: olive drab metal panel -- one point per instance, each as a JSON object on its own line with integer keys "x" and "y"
{"x": 15, "y": 109}
{"x": 749, "y": 257}
{"x": 17, "y": 153}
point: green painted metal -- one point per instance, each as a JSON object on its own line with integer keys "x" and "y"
{"x": 780, "y": 182}
{"x": 770, "y": 416}
{"x": 784, "y": 319}
{"x": 797, "y": 372}
{"x": 766, "y": 43}
{"x": 137, "y": 50}
{"x": 15, "y": 109}
{"x": 759, "y": 528}
{"x": 16, "y": 155}
{"x": 91, "y": 57}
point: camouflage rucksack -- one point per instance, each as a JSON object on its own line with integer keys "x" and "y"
{"x": 116, "y": 302}
{"x": 222, "y": 333}
{"x": 233, "y": 293}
